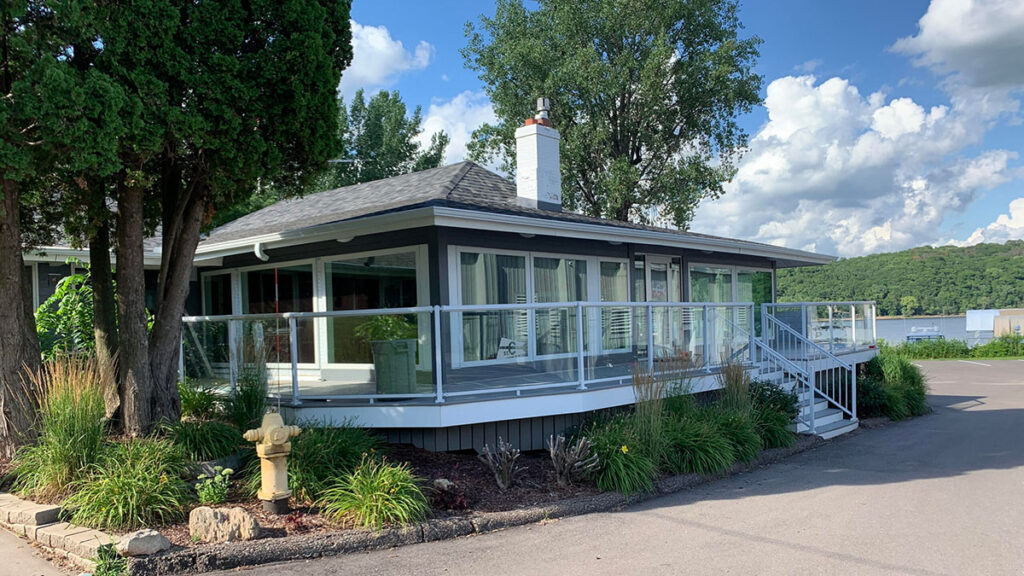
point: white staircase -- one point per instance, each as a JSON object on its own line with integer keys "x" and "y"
{"x": 826, "y": 387}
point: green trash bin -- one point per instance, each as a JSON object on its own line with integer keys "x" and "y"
{"x": 394, "y": 364}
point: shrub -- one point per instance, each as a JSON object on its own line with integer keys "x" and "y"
{"x": 502, "y": 462}
{"x": 621, "y": 469}
{"x": 109, "y": 562}
{"x": 246, "y": 407}
{"x": 319, "y": 456}
{"x": 214, "y": 489}
{"x": 70, "y": 423}
{"x": 738, "y": 428}
{"x": 1002, "y": 347}
{"x": 871, "y": 397}
{"x": 906, "y": 389}
{"x": 697, "y": 446}
{"x": 573, "y": 461}
{"x": 448, "y": 495}
{"x": 205, "y": 439}
{"x": 772, "y": 427}
{"x": 375, "y": 494}
{"x": 135, "y": 484}
{"x": 771, "y": 395}
{"x": 197, "y": 401}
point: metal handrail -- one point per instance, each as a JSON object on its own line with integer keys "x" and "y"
{"x": 804, "y": 340}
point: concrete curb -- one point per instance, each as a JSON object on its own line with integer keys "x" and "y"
{"x": 226, "y": 556}
{"x": 38, "y": 523}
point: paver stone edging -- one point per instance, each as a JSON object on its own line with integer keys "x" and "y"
{"x": 225, "y": 556}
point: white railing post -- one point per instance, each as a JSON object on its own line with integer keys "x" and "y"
{"x": 438, "y": 357}
{"x": 234, "y": 347}
{"x": 831, "y": 327}
{"x": 707, "y": 340}
{"x": 853, "y": 391}
{"x": 750, "y": 323}
{"x": 650, "y": 337}
{"x": 294, "y": 350}
{"x": 853, "y": 325}
{"x": 803, "y": 319}
{"x": 579, "y": 346}
{"x": 874, "y": 327}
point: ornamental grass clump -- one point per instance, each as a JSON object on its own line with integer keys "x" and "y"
{"x": 68, "y": 392}
{"x": 738, "y": 428}
{"x": 205, "y": 439}
{"x": 136, "y": 483}
{"x": 773, "y": 427}
{"x": 376, "y": 494}
{"x": 697, "y": 446}
{"x": 320, "y": 455}
{"x": 623, "y": 468}
{"x": 648, "y": 417}
{"x": 197, "y": 401}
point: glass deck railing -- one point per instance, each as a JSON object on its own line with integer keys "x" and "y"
{"x": 440, "y": 353}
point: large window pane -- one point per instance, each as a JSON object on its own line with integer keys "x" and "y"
{"x": 558, "y": 280}
{"x": 756, "y": 287}
{"x": 615, "y": 330}
{"x": 493, "y": 279}
{"x": 285, "y": 289}
{"x": 370, "y": 283}
{"x": 710, "y": 284}
{"x": 217, "y": 294}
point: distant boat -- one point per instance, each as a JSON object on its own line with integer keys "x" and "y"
{"x": 918, "y": 333}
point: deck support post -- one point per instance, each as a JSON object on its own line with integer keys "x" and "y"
{"x": 294, "y": 352}
{"x": 579, "y": 347}
{"x": 438, "y": 376}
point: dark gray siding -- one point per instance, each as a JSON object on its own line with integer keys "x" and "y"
{"x": 524, "y": 434}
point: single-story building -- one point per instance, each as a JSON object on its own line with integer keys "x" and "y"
{"x": 451, "y": 306}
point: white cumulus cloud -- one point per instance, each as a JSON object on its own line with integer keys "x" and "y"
{"x": 378, "y": 59}
{"x": 458, "y": 117}
{"x": 1008, "y": 226}
{"x": 980, "y": 42}
{"x": 839, "y": 172}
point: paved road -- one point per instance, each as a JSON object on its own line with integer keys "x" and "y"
{"x": 941, "y": 494}
{"x": 17, "y": 558}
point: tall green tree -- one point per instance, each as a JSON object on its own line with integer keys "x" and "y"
{"x": 55, "y": 118}
{"x": 645, "y": 94}
{"x": 378, "y": 140}
{"x": 233, "y": 93}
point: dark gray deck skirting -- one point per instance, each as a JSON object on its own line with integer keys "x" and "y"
{"x": 208, "y": 558}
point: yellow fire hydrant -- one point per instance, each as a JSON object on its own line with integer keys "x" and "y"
{"x": 273, "y": 447}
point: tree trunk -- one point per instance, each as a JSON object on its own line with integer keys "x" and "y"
{"x": 19, "y": 343}
{"x": 133, "y": 354}
{"x": 182, "y": 221}
{"x": 104, "y": 312}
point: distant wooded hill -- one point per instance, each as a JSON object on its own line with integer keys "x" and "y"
{"x": 919, "y": 281}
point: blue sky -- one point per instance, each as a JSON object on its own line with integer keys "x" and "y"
{"x": 886, "y": 124}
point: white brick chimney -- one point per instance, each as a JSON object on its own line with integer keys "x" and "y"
{"x": 538, "y": 173}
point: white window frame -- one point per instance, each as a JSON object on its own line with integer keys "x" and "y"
{"x": 424, "y": 329}
{"x": 455, "y": 293}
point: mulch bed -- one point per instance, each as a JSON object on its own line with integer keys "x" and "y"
{"x": 474, "y": 483}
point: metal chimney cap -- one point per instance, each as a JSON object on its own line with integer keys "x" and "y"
{"x": 543, "y": 106}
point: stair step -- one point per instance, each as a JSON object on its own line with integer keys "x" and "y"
{"x": 838, "y": 428}
{"x": 819, "y": 406}
{"x": 822, "y": 419}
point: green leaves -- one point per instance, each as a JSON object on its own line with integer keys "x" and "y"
{"x": 645, "y": 95}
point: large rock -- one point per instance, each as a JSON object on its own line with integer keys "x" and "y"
{"x": 142, "y": 543}
{"x": 222, "y": 524}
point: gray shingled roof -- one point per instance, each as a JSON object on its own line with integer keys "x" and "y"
{"x": 462, "y": 185}
{"x": 464, "y": 182}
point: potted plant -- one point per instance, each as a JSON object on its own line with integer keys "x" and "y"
{"x": 392, "y": 339}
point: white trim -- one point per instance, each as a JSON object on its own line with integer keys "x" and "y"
{"x": 491, "y": 410}
{"x": 497, "y": 222}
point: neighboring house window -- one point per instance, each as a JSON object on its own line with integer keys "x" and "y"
{"x": 493, "y": 279}
{"x": 281, "y": 289}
